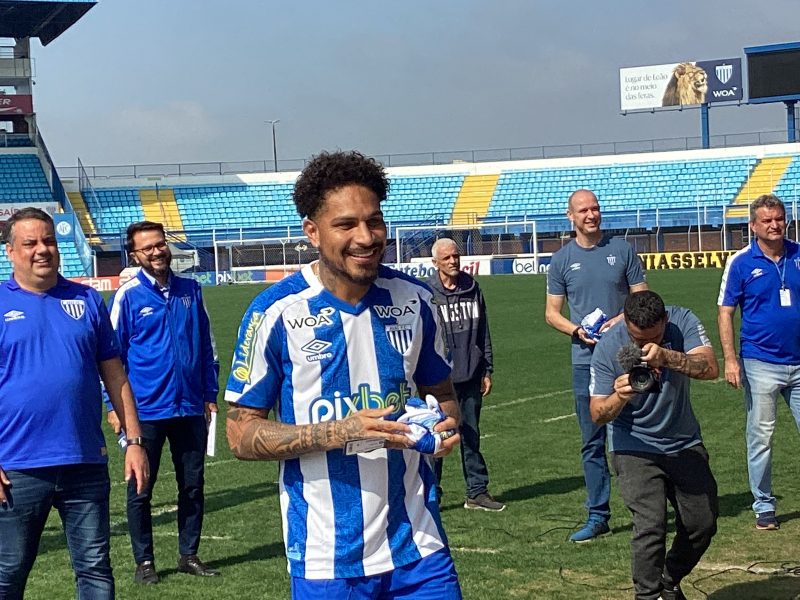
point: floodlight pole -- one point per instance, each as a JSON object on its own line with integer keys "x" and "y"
{"x": 791, "y": 125}
{"x": 274, "y": 143}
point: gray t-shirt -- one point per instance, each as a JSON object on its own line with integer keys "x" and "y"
{"x": 658, "y": 422}
{"x": 590, "y": 278}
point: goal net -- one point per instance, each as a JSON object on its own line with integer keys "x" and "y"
{"x": 283, "y": 255}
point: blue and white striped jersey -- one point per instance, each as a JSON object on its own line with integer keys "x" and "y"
{"x": 311, "y": 357}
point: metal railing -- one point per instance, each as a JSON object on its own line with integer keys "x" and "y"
{"x": 758, "y": 138}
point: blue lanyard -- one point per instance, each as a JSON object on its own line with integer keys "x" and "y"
{"x": 781, "y": 271}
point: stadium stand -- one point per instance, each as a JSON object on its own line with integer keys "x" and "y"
{"x": 646, "y": 185}
{"x": 668, "y": 185}
{"x": 114, "y": 209}
{"x": 22, "y": 179}
{"x": 423, "y": 199}
{"x": 207, "y": 207}
{"x": 789, "y": 185}
{"x": 665, "y": 190}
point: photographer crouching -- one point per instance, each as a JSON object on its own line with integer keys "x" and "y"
{"x": 656, "y": 450}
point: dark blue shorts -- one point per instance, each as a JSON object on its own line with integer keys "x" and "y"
{"x": 430, "y": 578}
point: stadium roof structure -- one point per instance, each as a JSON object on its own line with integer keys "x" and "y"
{"x": 43, "y": 19}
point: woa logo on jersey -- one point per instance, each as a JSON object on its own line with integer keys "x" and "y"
{"x": 323, "y": 317}
{"x": 390, "y": 311}
{"x": 340, "y": 406}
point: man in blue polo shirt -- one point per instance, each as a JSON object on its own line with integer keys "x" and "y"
{"x": 592, "y": 271}
{"x": 57, "y": 343}
{"x": 656, "y": 450}
{"x": 763, "y": 280}
{"x": 168, "y": 351}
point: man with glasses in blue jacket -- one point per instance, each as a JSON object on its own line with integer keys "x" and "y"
{"x": 168, "y": 351}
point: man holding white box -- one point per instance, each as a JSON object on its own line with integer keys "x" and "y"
{"x": 591, "y": 272}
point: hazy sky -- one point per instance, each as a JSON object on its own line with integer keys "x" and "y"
{"x": 152, "y": 81}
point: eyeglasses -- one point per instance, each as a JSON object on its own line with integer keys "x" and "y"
{"x": 148, "y": 250}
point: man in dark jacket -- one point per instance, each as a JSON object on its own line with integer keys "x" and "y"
{"x": 466, "y": 324}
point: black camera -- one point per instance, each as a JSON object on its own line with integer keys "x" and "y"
{"x": 642, "y": 378}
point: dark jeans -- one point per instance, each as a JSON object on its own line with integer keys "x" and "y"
{"x": 476, "y": 475}
{"x": 80, "y": 494}
{"x": 593, "y": 449}
{"x": 646, "y": 481}
{"x": 187, "y": 444}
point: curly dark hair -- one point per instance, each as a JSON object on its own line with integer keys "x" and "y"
{"x": 644, "y": 309}
{"x": 329, "y": 171}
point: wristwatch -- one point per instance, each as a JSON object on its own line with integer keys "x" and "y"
{"x": 135, "y": 441}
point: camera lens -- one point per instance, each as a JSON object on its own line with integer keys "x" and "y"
{"x": 641, "y": 379}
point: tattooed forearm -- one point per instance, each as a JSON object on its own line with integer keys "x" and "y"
{"x": 252, "y": 436}
{"x": 605, "y": 410}
{"x": 696, "y": 366}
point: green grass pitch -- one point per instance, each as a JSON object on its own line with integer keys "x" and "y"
{"x": 532, "y": 444}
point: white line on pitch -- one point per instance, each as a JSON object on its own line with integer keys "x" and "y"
{"x": 528, "y": 399}
{"x": 477, "y": 550}
{"x": 550, "y": 420}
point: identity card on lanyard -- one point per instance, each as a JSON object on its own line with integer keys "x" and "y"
{"x": 786, "y": 294}
{"x": 786, "y": 297}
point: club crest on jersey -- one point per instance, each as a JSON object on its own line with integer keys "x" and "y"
{"x": 394, "y": 312}
{"x": 611, "y": 259}
{"x": 399, "y": 337}
{"x": 323, "y": 317}
{"x": 187, "y": 301}
{"x": 74, "y": 308}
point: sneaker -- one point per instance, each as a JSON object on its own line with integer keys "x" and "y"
{"x": 484, "y": 501}
{"x": 591, "y": 530}
{"x": 767, "y": 521}
{"x": 145, "y": 573}
{"x": 671, "y": 592}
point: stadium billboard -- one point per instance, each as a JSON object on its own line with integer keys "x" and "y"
{"x": 16, "y": 104}
{"x": 680, "y": 84}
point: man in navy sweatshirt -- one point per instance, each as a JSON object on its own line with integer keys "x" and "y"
{"x": 463, "y": 312}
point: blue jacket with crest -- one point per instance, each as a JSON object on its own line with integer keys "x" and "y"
{"x": 166, "y": 346}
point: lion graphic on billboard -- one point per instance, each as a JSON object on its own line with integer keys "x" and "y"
{"x": 688, "y": 85}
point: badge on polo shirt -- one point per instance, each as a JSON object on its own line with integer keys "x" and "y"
{"x": 74, "y": 308}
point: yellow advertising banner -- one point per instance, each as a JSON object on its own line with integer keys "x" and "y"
{"x": 715, "y": 259}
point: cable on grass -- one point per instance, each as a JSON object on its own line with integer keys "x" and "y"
{"x": 573, "y": 525}
{"x": 785, "y": 567}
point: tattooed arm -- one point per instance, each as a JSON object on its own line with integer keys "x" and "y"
{"x": 252, "y": 436}
{"x": 604, "y": 409}
{"x": 698, "y": 363}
